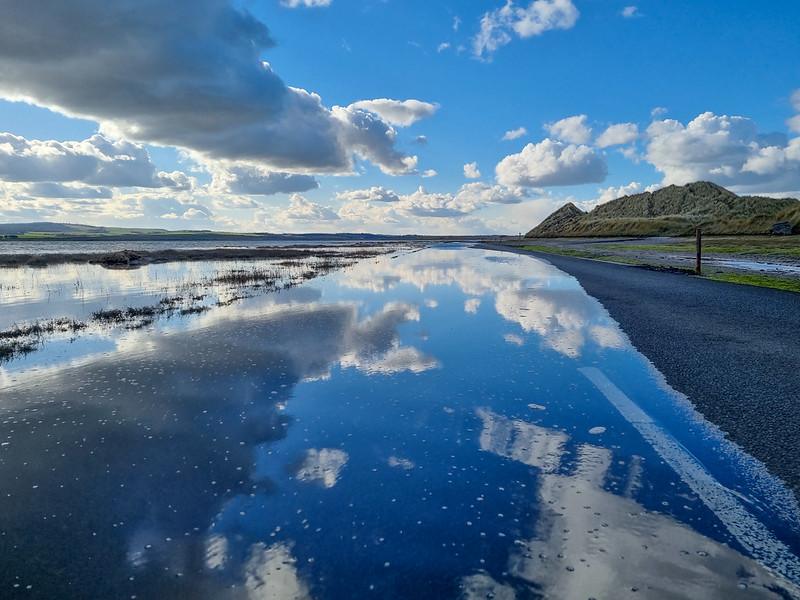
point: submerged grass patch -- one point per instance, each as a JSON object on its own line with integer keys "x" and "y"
{"x": 287, "y": 268}
{"x": 39, "y": 328}
{"x": 23, "y": 339}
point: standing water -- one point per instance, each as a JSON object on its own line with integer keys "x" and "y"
{"x": 444, "y": 423}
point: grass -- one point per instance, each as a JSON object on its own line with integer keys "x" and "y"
{"x": 561, "y": 251}
{"x": 627, "y": 260}
{"x": 770, "y": 246}
{"x": 24, "y": 339}
{"x": 768, "y": 281}
{"x": 297, "y": 265}
{"x": 584, "y": 254}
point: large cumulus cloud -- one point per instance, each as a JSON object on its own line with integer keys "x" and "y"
{"x": 573, "y": 130}
{"x": 188, "y": 74}
{"x": 255, "y": 181}
{"x": 728, "y": 150}
{"x": 95, "y": 161}
{"x": 552, "y": 163}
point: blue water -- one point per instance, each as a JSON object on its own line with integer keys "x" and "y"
{"x": 446, "y": 423}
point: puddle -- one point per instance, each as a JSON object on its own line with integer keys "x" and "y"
{"x": 751, "y": 265}
{"x": 446, "y": 423}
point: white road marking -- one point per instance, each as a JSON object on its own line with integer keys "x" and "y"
{"x": 748, "y": 530}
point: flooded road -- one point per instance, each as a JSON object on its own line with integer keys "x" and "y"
{"x": 442, "y": 423}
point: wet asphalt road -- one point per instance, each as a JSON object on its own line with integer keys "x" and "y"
{"x": 734, "y": 350}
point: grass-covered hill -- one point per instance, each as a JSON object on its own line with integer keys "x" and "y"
{"x": 45, "y": 229}
{"x": 676, "y": 210}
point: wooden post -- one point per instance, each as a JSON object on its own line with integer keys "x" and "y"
{"x": 698, "y": 269}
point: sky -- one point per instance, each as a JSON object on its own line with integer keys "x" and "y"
{"x": 387, "y": 116}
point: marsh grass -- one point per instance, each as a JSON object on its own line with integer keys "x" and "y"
{"x": 287, "y": 267}
{"x": 23, "y": 339}
{"x": 562, "y": 251}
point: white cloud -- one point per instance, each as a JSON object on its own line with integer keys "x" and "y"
{"x": 195, "y": 213}
{"x": 430, "y": 173}
{"x": 630, "y": 11}
{"x": 48, "y": 189}
{"x": 430, "y": 204}
{"x": 513, "y": 338}
{"x": 766, "y": 161}
{"x": 513, "y": 134}
{"x": 472, "y": 305}
{"x": 301, "y": 209}
{"x": 500, "y": 25}
{"x": 456, "y": 23}
{"x": 492, "y": 194}
{"x": 794, "y": 122}
{"x": 573, "y": 130}
{"x": 725, "y": 149}
{"x": 373, "y": 194}
{"x": 369, "y": 137}
{"x": 616, "y": 135}
{"x": 551, "y": 163}
{"x": 257, "y": 181}
{"x": 795, "y": 99}
{"x": 96, "y": 161}
{"x": 97, "y": 205}
{"x": 305, "y": 3}
{"x": 443, "y": 46}
{"x": 400, "y": 113}
{"x": 377, "y": 208}
{"x": 471, "y": 171}
{"x": 612, "y": 193}
{"x": 241, "y": 112}
{"x": 658, "y": 111}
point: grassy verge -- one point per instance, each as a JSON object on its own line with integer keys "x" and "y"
{"x": 561, "y": 251}
{"x": 715, "y": 248}
{"x": 616, "y": 258}
{"x": 768, "y": 281}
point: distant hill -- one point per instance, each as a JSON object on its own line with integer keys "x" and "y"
{"x": 676, "y": 210}
{"x": 47, "y": 228}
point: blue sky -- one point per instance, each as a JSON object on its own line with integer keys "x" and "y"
{"x": 195, "y": 133}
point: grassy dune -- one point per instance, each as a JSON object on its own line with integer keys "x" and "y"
{"x": 673, "y": 211}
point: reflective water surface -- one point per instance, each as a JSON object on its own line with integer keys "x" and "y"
{"x": 443, "y": 423}
{"x": 100, "y": 246}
